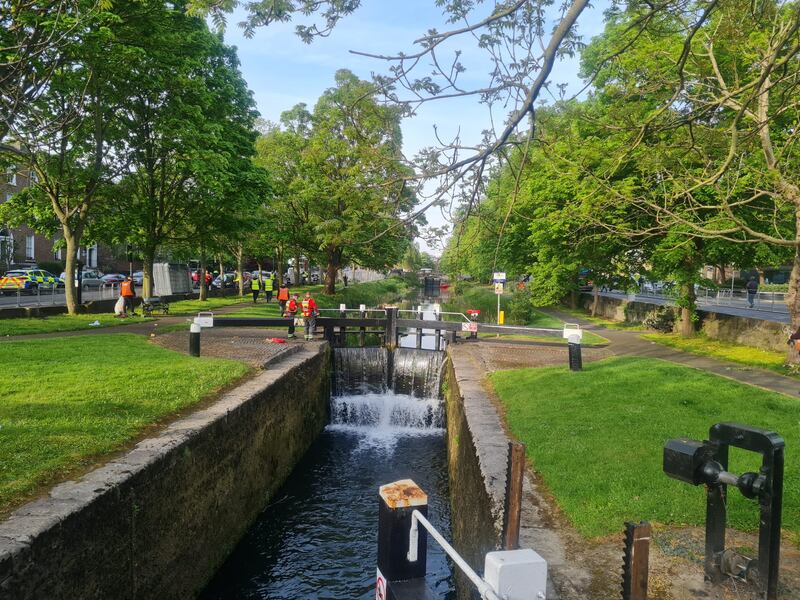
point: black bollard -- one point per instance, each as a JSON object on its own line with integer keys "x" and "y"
{"x": 194, "y": 339}
{"x": 574, "y": 347}
{"x": 397, "y": 577}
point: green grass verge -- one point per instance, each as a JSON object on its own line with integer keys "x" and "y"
{"x": 606, "y": 323}
{"x": 371, "y": 293}
{"x": 703, "y": 346}
{"x": 192, "y": 307}
{"x": 484, "y": 299}
{"x": 596, "y": 437}
{"x": 68, "y": 401}
{"x": 58, "y": 323}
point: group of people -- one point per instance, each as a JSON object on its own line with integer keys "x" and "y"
{"x": 308, "y": 311}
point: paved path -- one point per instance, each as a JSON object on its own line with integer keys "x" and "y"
{"x": 630, "y": 343}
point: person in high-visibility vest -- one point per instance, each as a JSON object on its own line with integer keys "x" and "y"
{"x": 309, "y": 307}
{"x": 283, "y": 297}
{"x": 269, "y": 284}
{"x": 291, "y": 311}
{"x": 255, "y": 286}
{"x": 128, "y": 293}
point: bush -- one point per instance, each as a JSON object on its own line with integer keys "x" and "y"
{"x": 56, "y": 268}
{"x": 661, "y": 319}
{"x": 521, "y": 311}
{"x": 774, "y": 287}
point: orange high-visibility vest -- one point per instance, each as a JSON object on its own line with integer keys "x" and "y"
{"x": 127, "y": 289}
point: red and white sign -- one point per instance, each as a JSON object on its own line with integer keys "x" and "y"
{"x": 380, "y": 586}
{"x": 470, "y": 327}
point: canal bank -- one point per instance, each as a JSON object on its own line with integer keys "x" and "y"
{"x": 159, "y": 520}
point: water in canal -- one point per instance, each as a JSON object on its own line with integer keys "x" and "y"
{"x": 318, "y": 537}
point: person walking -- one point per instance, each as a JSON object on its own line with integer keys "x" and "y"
{"x": 255, "y": 286}
{"x": 269, "y": 284}
{"x": 291, "y": 311}
{"x": 344, "y": 278}
{"x": 752, "y": 290}
{"x": 283, "y": 297}
{"x": 128, "y": 293}
{"x": 309, "y": 307}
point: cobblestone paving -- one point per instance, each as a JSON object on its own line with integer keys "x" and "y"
{"x": 251, "y": 346}
{"x": 499, "y": 356}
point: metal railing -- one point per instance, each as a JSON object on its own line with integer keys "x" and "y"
{"x": 484, "y": 589}
{"x": 736, "y": 298}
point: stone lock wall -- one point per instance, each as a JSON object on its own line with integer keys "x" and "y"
{"x": 477, "y": 451}
{"x": 158, "y": 521}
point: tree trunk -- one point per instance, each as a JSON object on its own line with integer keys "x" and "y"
{"x": 202, "y": 278}
{"x": 280, "y": 267}
{"x": 761, "y": 277}
{"x": 793, "y": 301}
{"x": 595, "y": 300}
{"x": 148, "y": 285}
{"x": 240, "y": 267}
{"x": 687, "y": 310}
{"x": 331, "y": 271}
{"x": 297, "y": 279}
{"x": 70, "y": 264}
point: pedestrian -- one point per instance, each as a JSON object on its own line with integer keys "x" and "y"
{"x": 752, "y": 290}
{"x": 291, "y": 312}
{"x": 128, "y": 293}
{"x": 309, "y": 316}
{"x": 255, "y": 286}
{"x": 344, "y": 278}
{"x": 283, "y": 296}
{"x": 268, "y": 286}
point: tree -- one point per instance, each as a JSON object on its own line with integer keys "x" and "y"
{"x": 189, "y": 126}
{"x": 340, "y": 178}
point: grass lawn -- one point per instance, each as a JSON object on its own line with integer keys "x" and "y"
{"x": 56, "y": 323}
{"x": 371, "y": 293}
{"x": 67, "y": 401}
{"x": 597, "y": 436}
{"x": 702, "y": 346}
{"x": 608, "y": 324}
{"x": 192, "y": 307}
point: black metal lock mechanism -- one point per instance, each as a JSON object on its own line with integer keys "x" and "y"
{"x": 706, "y": 463}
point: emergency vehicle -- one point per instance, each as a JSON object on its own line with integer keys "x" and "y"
{"x": 29, "y": 280}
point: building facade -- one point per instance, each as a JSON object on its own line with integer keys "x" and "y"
{"x": 22, "y": 247}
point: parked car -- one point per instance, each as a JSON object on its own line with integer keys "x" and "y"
{"x": 29, "y": 280}
{"x": 112, "y": 278}
{"x": 89, "y": 279}
{"x": 227, "y": 280}
{"x": 138, "y": 278}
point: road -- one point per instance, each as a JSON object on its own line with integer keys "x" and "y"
{"x": 767, "y": 306}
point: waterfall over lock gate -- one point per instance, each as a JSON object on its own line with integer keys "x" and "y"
{"x": 387, "y": 391}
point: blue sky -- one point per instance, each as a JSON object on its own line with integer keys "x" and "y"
{"x": 282, "y": 71}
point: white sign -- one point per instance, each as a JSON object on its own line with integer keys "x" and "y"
{"x": 469, "y": 327}
{"x": 343, "y": 307}
{"x": 362, "y": 307}
{"x": 499, "y": 278}
{"x": 380, "y": 586}
{"x": 572, "y": 329}
{"x": 204, "y": 319}
{"x": 498, "y": 288}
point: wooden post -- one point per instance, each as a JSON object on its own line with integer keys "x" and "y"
{"x": 637, "y": 558}
{"x": 419, "y": 329}
{"x": 391, "y": 327}
{"x": 343, "y": 330}
{"x": 515, "y": 475}
{"x": 438, "y": 333}
{"x": 362, "y": 330}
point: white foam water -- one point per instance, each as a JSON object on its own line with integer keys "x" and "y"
{"x": 379, "y": 419}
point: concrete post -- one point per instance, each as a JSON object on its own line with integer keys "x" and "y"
{"x": 574, "y": 348}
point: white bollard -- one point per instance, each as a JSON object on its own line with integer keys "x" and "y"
{"x": 516, "y": 574}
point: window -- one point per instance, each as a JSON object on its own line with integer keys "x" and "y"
{"x": 34, "y": 177}
{"x": 9, "y": 196}
{"x": 29, "y": 247}
{"x": 11, "y": 175}
{"x": 58, "y": 254}
{"x": 6, "y": 247}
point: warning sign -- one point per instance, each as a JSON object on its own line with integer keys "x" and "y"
{"x": 498, "y": 288}
{"x": 380, "y": 586}
{"x": 470, "y": 327}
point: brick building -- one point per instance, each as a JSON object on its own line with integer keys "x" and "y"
{"x": 23, "y": 247}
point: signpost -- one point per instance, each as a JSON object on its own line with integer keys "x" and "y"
{"x": 498, "y": 279}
